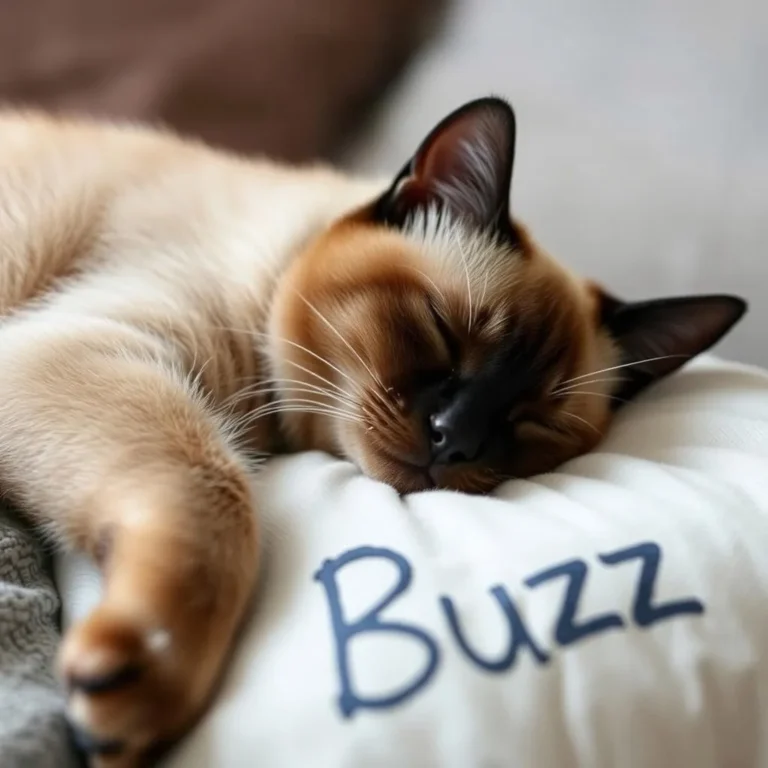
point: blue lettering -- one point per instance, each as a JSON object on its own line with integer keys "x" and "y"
{"x": 567, "y": 630}
{"x": 344, "y": 632}
{"x": 519, "y": 635}
{"x": 644, "y": 612}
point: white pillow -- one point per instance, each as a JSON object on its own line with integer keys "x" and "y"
{"x": 636, "y": 580}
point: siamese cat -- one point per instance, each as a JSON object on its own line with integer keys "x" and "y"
{"x": 169, "y": 312}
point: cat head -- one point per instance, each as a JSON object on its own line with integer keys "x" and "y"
{"x": 444, "y": 348}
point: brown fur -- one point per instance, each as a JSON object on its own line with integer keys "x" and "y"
{"x": 169, "y": 311}
{"x": 374, "y": 270}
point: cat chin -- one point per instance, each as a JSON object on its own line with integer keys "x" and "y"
{"x": 402, "y": 477}
{"x": 405, "y": 478}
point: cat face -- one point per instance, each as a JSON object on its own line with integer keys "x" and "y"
{"x": 443, "y": 348}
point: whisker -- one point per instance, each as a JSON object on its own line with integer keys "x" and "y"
{"x": 196, "y": 382}
{"x": 239, "y": 430}
{"x": 469, "y": 284}
{"x": 318, "y": 376}
{"x": 346, "y": 400}
{"x": 301, "y": 409}
{"x": 309, "y": 352}
{"x": 341, "y": 337}
{"x": 266, "y": 387}
{"x": 385, "y": 402}
{"x": 316, "y": 403}
{"x": 582, "y": 420}
{"x": 311, "y": 412}
{"x": 288, "y": 391}
{"x": 250, "y": 418}
{"x": 274, "y": 380}
{"x": 624, "y": 365}
{"x": 431, "y": 282}
{"x": 374, "y": 392}
{"x": 485, "y": 288}
{"x": 264, "y": 335}
{"x": 593, "y": 394}
{"x": 586, "y": 383}
{"x": 394, "y": 424}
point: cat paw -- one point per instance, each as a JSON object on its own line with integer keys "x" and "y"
{"x": 127, "y": 692}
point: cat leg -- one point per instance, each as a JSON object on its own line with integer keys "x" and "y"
{"x": 104, "y": 441}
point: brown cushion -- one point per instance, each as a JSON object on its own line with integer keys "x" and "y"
{"x": 283, "y": 77}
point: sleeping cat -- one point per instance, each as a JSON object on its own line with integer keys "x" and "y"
{"x": 170, "y": 312}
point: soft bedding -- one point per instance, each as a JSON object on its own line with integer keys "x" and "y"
{"x": 610, "y": 614}
{"x": 32, "y": 729}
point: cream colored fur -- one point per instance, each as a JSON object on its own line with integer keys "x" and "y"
{"x": 135, "y": 273}
{"x": 132, "y": 251}
{"x": 154, "y": 294}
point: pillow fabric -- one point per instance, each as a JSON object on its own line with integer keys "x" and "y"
{"x": 611, "y": 614}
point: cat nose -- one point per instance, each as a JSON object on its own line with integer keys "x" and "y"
{"x": 454, "y": 438}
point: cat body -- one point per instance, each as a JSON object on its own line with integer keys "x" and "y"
{"x": 169, "y": 312}
{"x": 135, "y": 275}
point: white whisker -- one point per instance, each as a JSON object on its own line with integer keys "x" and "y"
{"x": 317, "y": 376}
{"x": 312, "y": 354}
{"x": 298, "y": 409}
{"x": 281, "y": 390}
{"x": 271, "y": 386}
{"x": 431, "y": 282}
{"x": 250, "y": 418}
{"x": 470, "y": 319}
{"x": 485, "y": 288}
{"x": 316, "y": 403}
{"x": 625, "y": 365}
{"x": 582, "y": 420}
{"x": 341, "y": 337}
{"x": 572, "y": 387}
{"x": 591, "y": 394}
{"x": 268, "y": 336}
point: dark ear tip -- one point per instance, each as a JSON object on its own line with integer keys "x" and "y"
{"x": 500, "y": 104}
{"x": 741, "y": 304}
{"x": 737, "y": 305}
{"x": 492, "y": 103}
{"x": 734, "y": 306}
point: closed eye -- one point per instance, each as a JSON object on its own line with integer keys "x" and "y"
{"x": 540, "y": 418}
{"x": 449, "y": 338}
{"x": 538, "y": 427}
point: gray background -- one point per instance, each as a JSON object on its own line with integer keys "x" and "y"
{"x": 642, "y": 155}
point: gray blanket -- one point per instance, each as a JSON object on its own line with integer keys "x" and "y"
{"x": 32, "y": 727}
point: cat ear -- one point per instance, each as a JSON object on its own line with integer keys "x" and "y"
{"x": 658, "y": 337}
{"x": 464, "y": 166}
